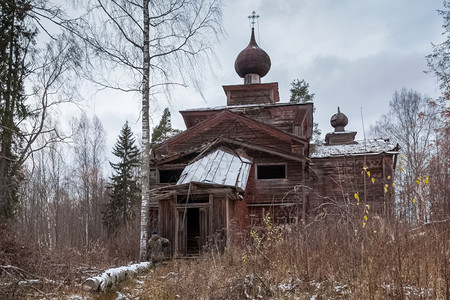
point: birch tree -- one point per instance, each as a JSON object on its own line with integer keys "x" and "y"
{"x": 147, "y": 47}
{"x": 411, "y": 122}
{"x": 24, "y": 113}
{"x": 91, "y": 188}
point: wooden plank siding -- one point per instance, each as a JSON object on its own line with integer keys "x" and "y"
{"x": 341, "y": 177}
{"x": 272, "y": 190}
{"x": 282, "y": 116}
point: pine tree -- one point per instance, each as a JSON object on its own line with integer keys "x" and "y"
{"x": 15, "y": 40}
{"x": 164, "y": 129}
{"x": 300, "y": 94}
{"x": 124, "y": 189}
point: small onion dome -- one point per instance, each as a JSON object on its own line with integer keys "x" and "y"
{"x": 339, "y": 121}
{"x": 252, "y": 60}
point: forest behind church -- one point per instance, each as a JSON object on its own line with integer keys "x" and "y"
{"x": 66, "y": 211}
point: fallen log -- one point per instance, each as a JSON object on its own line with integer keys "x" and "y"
{"x": 112, "y": 276}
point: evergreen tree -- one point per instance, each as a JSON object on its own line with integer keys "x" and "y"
{"x": 164, "y": 129}
{"x": 15, "y": 40}
{"x": 300, "y": 94}
{"x": 124, "y": 189}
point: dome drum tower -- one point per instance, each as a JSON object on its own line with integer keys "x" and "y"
{"x": 252, "y": 64}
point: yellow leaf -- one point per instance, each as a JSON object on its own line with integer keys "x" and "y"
{"x": 389, "y": 177}
{"x": 357, "y": 203}
{"x": 364, "y": 224}
{"x": 365, "y": 218}
{"x": 414, "y": 200}
{"x": 356, "y": 196}
{"x": 426, "y": 179}
{"x": 417, "y": 181}
{"x": 385, "y": 188}
{"x": 373, "y": 180}
{"x": 368, "y": 173}
{"x": 368, "y": 206}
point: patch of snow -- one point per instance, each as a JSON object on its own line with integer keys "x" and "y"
{"x": 375, "y": 146}
{"x": 22, "y": 282}
{"x": 257, "y": 105}
{"x": 77, "y": 297}
{"x": 285, "y": 287}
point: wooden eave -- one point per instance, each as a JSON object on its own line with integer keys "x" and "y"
{"x": 198, "y": 128}
{"x": 193, "y": 117}
{"x": 171, "y": 190}
{"x": 266, "y": 150}
{"x": 220, "y": 140}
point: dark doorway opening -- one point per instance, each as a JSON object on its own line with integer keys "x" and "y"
{"x": 193, "y": 230}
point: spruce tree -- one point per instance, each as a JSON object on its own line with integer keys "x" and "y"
{"x": 16, "y": 38}
{"x": 164, "y": 129}
{"x": 124, "y": 187}
{"x": 300, "y": 94}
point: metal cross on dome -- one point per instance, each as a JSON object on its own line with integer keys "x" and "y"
{"x": 253, "y": 17}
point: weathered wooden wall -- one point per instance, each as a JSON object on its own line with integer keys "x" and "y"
{"x": 282, "y": 117}
{"x": 260, "y": 191}
{"x": 341, "y": 177}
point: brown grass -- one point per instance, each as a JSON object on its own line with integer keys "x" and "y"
{"x": 325, "y": 260}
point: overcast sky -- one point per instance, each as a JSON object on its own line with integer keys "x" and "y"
{"x": 354, "y": 54}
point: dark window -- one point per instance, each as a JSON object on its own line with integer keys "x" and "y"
{"x": 169, "y": 176}
{"x": 271, "y": 171}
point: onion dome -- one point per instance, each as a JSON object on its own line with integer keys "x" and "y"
{"x": 252, "y": 60}
{"x": 339, "y": 121}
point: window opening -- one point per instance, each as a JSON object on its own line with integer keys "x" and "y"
{"x": 271, "y": 171}
{"x": 169, "y": 176}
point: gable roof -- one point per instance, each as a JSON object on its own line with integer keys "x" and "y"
{"x": 227, "y": 141}
{"x": 227, "y": 117}
{"x": 218, "y": 129}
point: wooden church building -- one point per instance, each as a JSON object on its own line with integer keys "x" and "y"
{"x": 234, "y": 164}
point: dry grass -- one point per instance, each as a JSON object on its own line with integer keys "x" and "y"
{"x": 326, "y": 261}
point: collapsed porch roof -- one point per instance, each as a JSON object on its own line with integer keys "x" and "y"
{"x": 218, "y": 168}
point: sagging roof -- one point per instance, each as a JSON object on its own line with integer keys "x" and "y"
{"x": 374, "y": 146}
{"x": 218, "y": 168}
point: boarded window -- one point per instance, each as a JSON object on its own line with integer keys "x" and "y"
{"x": 169, "y": 176}
{"x": 271, "y": 171}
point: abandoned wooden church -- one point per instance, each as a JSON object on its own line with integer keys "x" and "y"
{"x": 234, "y": 164}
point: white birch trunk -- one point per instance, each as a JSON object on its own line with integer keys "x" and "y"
{"x": 145, "y": 167}
{"x": 112, "y": 276}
